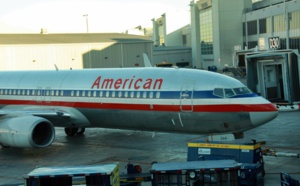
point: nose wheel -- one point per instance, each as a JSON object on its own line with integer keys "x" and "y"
{"x": 72, "y": 131}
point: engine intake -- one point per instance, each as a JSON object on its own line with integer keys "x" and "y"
{"x": 26, "y": 131}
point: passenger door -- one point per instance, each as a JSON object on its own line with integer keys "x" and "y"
{"x": 186, "y": 97}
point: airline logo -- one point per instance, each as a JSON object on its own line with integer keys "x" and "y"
{"x": 133, "y": 83}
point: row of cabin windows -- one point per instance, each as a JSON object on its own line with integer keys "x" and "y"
{"x": 82, "y": 93}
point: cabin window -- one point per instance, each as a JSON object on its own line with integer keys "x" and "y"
{"x": 132, "y": 94}
{"x": 120, "y": 94}
{"x": 5, "y": 92}
{"x": 61, "y": 93}
{"x": 1, "y": 91}
{"x": 144, "y": 94}
{"x": 138, "y": 94}
{"x": 72, "y": 93}
{"x": 157, "y": 95}
{"x": 94, "y": 93}
{"x": 47, "y": 92}
{"x": 107, "y": 94}
{"x": 19, "y": 92}
{"x": 9, "y": 92}
{"x": 126, "y": 94}
{"x": 23, "y": 92}
{"x": 83, "y": 94}
{"x": 113, "y": 94}
{"x": 89, "y": 93}
{"x": 101, "y": 94}
{"x": 151, "y": 95}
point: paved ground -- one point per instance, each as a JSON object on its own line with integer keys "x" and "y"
{"x": 102, "y": 146}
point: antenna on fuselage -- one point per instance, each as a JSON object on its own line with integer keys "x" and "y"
{"x": 147, "y": 62}
{"x": 56, "y": 68}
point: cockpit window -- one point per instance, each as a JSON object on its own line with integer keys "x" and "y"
{"x": 228, "y": 92}
{"x": 241, "y": 90}
{"x": 219, "y": 92}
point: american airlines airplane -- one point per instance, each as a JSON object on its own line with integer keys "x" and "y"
{"x": 177, "y": 100}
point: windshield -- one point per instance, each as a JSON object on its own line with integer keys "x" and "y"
{"x": 228, "y": 92}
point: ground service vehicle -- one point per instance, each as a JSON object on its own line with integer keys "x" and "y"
{"x": 250, "y": 156}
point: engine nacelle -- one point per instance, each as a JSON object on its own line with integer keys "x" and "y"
{"x": 26, "y": 131}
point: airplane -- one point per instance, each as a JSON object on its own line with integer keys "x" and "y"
{"x": 157, "y": 99}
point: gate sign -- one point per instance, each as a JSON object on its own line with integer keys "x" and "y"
{"x": 274, "y": 42}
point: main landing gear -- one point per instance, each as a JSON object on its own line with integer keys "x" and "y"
{"x": 72, "y": 131}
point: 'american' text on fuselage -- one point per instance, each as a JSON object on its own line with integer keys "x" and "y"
{"x": 133, "y": 83}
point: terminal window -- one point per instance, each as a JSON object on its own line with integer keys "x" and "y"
{"x": 206, "y": 34}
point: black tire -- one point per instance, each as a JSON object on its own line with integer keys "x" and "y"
{"x": 71, "y": 131}
{"x": 81, "y": 131}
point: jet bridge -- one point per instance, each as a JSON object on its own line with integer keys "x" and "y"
{"x": 273, "y": 74}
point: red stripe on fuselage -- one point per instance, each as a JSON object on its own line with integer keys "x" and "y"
{"x": 151, "y": 107}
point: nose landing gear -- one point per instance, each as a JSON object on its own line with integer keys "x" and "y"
{"x": 72, "y": 131}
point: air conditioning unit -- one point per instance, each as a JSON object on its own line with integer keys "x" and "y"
{"x": 203, "y": 4}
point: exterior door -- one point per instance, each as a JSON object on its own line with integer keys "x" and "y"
{"x": 39, "y": 97}
{"x": 47, "y": 93}
{"x": 272, "y": 88}
{"x": 186, "y": 97}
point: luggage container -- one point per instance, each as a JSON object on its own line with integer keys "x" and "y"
{"x": 104, "y": 175}
{"x": 194, "y": 173}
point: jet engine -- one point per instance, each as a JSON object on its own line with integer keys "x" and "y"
{"x": 26, "y": 131}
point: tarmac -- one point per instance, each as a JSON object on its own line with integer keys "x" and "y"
{"x": 99, "y": 146}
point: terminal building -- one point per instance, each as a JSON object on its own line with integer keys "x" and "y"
{"x": 259, "y": 38}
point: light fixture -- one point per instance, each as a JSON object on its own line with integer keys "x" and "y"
{"x": 192, "y": 174}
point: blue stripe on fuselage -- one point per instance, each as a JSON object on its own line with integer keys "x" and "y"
{"x": 204, "y": 94}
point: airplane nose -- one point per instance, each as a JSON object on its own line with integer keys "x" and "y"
{"x": 259, "y": 118}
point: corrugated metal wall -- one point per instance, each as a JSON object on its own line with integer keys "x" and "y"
{"x": 75, "y": 56}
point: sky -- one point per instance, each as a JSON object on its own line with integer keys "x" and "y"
{"x": 67, "y": 16}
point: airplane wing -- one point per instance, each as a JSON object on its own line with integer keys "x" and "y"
{"x": 58, "y": 116}
{"x": 41, "y": 113}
